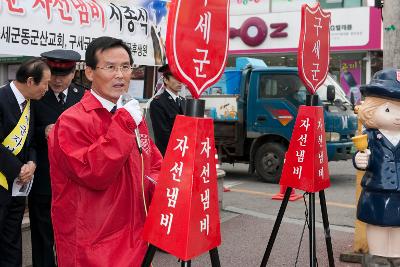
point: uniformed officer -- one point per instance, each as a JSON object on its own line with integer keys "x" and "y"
{"x": 165, "y": 107}
{"x": 62, "y": 95}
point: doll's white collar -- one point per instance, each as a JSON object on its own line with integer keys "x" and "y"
{"x": 394, "y": 139}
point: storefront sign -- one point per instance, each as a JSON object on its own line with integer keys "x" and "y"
{"x": 11, "y": 60}
{"x": 254, "y": 31}
{"x": 31, "y": 27}
{"x": 240, "y": 7}
{"x": 291, "y": 5}
{"x": 352, "y": 29}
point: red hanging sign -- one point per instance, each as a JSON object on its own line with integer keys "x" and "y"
{"x": 183, "y": 217}
{"x": 197, "y": 42}
{"x": 306, "y": 161}
{"x": 313, "y": 52}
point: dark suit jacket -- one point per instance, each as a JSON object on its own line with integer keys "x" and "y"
{"x": 383, "y": 170}
{"x": 380, "y": 198}
{"x": 163, "y": 110}
{"x": 10, "y": 165}
{"x": 47, "y": 110}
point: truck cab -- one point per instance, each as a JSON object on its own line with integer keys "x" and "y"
{"x": 267, "y": 100}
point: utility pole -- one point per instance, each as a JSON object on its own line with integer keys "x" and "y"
{"x": 391, "y": 34}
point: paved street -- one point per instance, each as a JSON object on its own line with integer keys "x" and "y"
{"x": 249, "y": 214}
{"x": 245, "y": 237}
{"x": 248, "y": 193}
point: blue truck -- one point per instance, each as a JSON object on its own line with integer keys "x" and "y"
{"x": 254, "y": 107}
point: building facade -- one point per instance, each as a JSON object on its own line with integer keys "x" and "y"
{"x": 270, "y": 29}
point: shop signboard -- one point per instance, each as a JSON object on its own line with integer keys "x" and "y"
{"x": 71, "y": 24}
{"x": 292, "y": 5}
{"x": 352, "y": 29}
{"x": 240, "y": 7}
{"x": 12, "y": 60}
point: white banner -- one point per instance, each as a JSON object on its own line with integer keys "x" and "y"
{"x": 30, "y": 27}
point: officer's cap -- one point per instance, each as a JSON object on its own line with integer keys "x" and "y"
{"x": 61, "y": 62}
{"x": 385, "y": 84}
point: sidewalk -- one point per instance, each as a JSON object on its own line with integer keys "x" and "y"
{"x": 26, "y": 242}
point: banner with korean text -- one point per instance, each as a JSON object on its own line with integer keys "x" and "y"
{"x": 183, "y": 217}
{"x": 30, "y": 27}
{"x": 306, "y": 161}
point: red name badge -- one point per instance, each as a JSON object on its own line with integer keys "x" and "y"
{"x": 313, "y": 52}
{"x": 197, "y": 42}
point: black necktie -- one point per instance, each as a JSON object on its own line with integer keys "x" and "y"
{"x": 112, "y": 111}
{"x": 178, "y": 101}
{"x": 61, "y": 98}
{"x": 23, "y": 105}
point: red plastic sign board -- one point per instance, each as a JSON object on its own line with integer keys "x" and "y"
{"x": 313, "y": 52}
{"x": 197, "y": 42}
{"x": 183, "y": 217}
{"x": 306, "y": 161}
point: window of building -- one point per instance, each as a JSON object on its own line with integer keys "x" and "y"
{"x": 340, "y": 3}
{"x": 352, "y": 3}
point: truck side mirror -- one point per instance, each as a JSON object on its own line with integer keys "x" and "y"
{"x": 352, "y": 100}
{"x": 330, "y": 93}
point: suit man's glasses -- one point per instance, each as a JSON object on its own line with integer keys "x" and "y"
{"x": 114, "y": 69}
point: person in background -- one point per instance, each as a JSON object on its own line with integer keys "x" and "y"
{"x": 101, "y": 177}
{"x": 164, "y": 108}
{"x": 62, "y": 95}
{"x": 17, "y": 154}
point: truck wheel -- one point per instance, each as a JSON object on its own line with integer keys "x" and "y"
{"x": 269, "y": 162}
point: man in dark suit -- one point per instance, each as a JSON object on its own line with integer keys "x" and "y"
{"x": 62, "y": 95}
{"x": 165, "y": 107}
{"x": 17, "y": 156}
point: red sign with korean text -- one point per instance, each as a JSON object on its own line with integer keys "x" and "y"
{"x": 183, "y": 217}
{"x": 306, "y": 162}
{"x": 314, "y": 42}
{"x": 197, "y": 42}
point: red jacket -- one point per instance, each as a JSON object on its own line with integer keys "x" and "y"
{"x": 97, "y": 204}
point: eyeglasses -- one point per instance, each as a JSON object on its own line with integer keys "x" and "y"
{"x": 113, "y": 69}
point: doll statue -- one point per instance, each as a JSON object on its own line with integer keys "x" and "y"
{"x": 379, "y": 203}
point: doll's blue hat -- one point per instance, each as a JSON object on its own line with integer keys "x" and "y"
{"x": 385, "y": 83}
